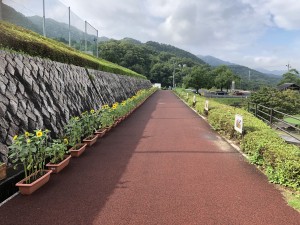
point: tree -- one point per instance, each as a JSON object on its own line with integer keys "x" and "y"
{"x": 161, "y": 73}
{"x": 292, "y": 76}
{"x": 199, "y": 77}
{"x": 224, "y": 77}
{"x": 284, "y": 101}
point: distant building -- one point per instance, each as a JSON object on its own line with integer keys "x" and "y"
{"x": 288, "y": 86}
{"x": 158, "y": 85}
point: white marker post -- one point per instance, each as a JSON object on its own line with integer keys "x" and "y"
{"x": 206, "y": 105}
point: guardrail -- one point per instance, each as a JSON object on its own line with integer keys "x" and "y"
{"x": 275, "y": 118}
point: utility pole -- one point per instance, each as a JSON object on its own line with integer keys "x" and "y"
{"x": 288, "y": 66}
{"x": 249, "y": 75}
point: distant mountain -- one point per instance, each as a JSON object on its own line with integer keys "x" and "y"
{"x": 11, "y": 15}
{"x": 213, "y": 61}
{"x": 174, "y": 50}
{"x": 274, "y": 72}
{"x": 103, "y": 39}
{"x": 253, "y": 77}
{"x": 249, "y": 77}
{"x": 131, "y": 40}
{"x": 54, "y": 29}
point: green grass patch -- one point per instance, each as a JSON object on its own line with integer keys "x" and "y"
{"x": 24, "y": 41}
{"x": 292, "y": 198}
{"x": 292, "y": 120}
{"x": 241, "y": 102}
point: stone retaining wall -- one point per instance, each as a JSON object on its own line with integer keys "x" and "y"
{"x": 37, "y": 93}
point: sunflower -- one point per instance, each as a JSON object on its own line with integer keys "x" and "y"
{"x": 66, "y": 141}
{"x": 26, "y": 134}
{"x": 28, "y": 141}
{"x": 15, "y": 137}
{"x": 39, "y": 133}
{"x": 92, "y": 111}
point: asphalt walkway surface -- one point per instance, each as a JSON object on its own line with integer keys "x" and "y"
{"x": 162, "y": 165}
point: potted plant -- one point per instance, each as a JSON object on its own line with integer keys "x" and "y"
{"x": 58, "y": 153}
{"x": 89, "y": 124}
{"x": 73, "y": 132}
{"x": 106, "y": 118}
{"x": 2, "y": 170}
{"x": 30, "y": 150}
{"x": 99, "y": 129}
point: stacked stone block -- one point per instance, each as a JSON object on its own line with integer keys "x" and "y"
{"x": 38, "y": 93}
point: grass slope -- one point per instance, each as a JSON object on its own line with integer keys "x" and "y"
{"x": 25, "y": 41}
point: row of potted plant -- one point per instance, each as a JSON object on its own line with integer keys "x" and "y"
{"x": 34, "y": 150}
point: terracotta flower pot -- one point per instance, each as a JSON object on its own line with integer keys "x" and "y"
{"x": 2, "y": 171}
{"x": 28, "y": 189}
{"x": 100, "y": 132}
{"x": 56, "y": 168}
{"x": 90, "y": 140}
{"x": 77, "y": 150}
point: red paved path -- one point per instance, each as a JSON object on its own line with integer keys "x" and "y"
{"x": 163, "y": 165}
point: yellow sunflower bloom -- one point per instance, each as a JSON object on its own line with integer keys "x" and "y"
{"x": 39, "y": 133}
{"x": 66, "y": 141}
{"x": 92, "y": 111}
{"x": 26, "y": 134}
{"x": 28, "y": 141}
{"x": 15, "y": 137}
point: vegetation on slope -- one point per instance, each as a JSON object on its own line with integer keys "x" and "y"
{"x": 22, "y": 40}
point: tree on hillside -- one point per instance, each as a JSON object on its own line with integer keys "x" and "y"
{"x": 292, "y": 76}
{"x": 224, "y": 77}
{"x": 199, "y": 77}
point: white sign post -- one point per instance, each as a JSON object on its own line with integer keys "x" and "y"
{"x": 194, "y": 99}
{"x": 206, "y": 105}
{"x": 238, "y": 123}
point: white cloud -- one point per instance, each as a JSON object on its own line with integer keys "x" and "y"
{"x": 229, "y": 28}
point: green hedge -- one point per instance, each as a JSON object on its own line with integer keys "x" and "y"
{"x": 28, "y": 42}
{"x": 280, "y": 161}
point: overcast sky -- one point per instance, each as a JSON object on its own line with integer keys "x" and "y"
{"x": 254, "y": 33}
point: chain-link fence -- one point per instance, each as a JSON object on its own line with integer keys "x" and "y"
{"x": 52, "y": 19}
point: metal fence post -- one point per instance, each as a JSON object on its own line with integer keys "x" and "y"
{"x": 85, "y": 37}
{"x": 44, "y": 19}
{"x": 255, "y": 110}
{"x": 0, "y": 9}
{"x": 97, "y": 45}
{"x": 271, "y": 116}
{"x": 69, "y": 26}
